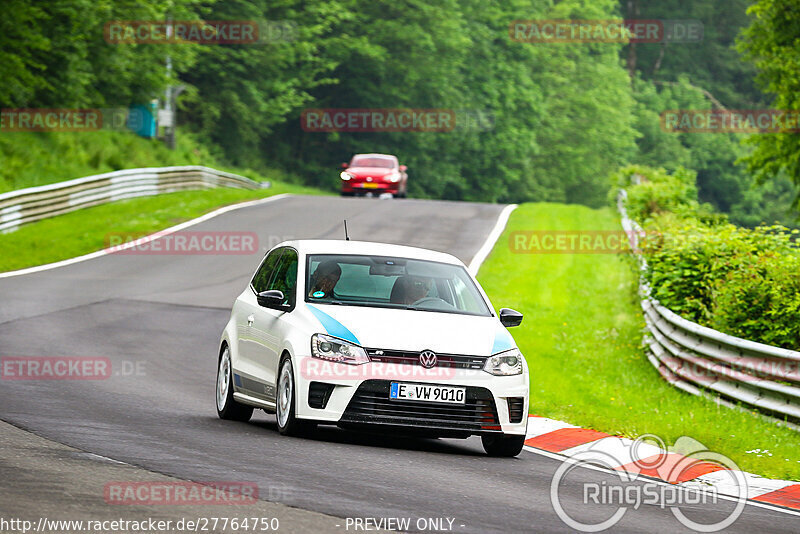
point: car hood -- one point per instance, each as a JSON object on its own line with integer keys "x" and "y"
{"x": 375, "y": 172}
{"x": 412, "y": 330}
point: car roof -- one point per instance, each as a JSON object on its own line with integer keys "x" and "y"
{"x": 375, "y": 155}
{"x": 340, "y": 246}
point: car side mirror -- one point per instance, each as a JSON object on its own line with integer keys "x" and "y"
{"x": 271, "y": 299}
{"x": 403, "y": 168}
{"x": 345, "y": 165}
{"x": 509, "y": 317}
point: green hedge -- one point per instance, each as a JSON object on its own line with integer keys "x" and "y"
{"x": 736, "y": 280}
{"x": 655, "y": 192}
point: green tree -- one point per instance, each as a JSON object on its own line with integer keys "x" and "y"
{"x": 21, "y": 74}
{"x": 771, "y": 43}
{"x": 712, "y": 63}
{"x": 241, "y": 92}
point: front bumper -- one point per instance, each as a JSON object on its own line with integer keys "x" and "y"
{"x": 370, "y": 187}
{"x": 359, "y": 395}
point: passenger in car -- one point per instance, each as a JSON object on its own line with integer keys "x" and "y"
{"x": 324, "y": 279}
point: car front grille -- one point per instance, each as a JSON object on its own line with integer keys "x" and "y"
{"x": 371, "y": 404}
{"x": 454, "y": 361}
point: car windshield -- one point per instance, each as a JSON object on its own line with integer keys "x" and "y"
{"x": 391, "y": 282}
{"x": 384, "y": 163}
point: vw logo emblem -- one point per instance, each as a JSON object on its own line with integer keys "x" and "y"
{"x": 427, "y": 359}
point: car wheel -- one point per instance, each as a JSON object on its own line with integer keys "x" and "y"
{"x": 227, "y": 408}
{"x": 502, "y": 445}
{"x": 288, "y": 424}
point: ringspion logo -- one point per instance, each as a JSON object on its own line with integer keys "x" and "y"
{"x": 678, "y": 466}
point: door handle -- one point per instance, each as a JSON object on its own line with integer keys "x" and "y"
{"x": 250, "y": 319}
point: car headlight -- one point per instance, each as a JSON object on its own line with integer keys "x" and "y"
{"x": 344, "y": 175}
{"x": 334, "y": 349}
{"x": 504, "y": 363}
{"x": 394, "y": 177}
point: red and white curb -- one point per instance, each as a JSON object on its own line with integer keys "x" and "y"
{"x": 643, "y": 458}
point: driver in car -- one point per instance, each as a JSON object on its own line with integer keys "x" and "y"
{"x": 417, "y": 289}
{"x": 324, "y": 279}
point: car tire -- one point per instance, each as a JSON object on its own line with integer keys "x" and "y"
{"x": 286, "y": 402}
{"x": 227, "y": 407}
{"x": 502, "y": 445}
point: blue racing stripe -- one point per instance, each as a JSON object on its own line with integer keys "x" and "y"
{"x": 332, "y": 326}
{"x": 502, "y": 341}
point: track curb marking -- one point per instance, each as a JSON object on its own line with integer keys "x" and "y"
{"x": 788, "y": 497}
{"x": 565, "y": 438}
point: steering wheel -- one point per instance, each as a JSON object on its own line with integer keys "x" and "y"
{"x": 430, "y": 300}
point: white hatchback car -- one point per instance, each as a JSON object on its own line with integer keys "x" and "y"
{"x": 356, "y": 333}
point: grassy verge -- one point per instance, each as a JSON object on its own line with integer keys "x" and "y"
{"x": 84, "y": 231}
{"x": 29, "y": 159}
{"x": 582, "y": 338}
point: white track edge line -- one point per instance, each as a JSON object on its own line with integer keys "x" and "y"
{"x": 147, "y": 239}
{"x": 494, "y": 235}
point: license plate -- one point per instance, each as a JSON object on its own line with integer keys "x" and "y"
{"x": 369, "y": 185}
{"x": 427, "y": 393}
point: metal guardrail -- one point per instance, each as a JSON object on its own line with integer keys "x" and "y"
{"x": 702, "y": 361}
{"x": 36, "y": 203}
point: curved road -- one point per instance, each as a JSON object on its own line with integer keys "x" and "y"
{"x": 158, "y": 319}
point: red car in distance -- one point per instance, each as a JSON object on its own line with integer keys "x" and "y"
{"x": 374, "y": 175}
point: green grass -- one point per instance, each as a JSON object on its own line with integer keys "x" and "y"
{"x": 582, "y": 337}
{"x": 29, "y": 159}
{"x": 84, "y": 231}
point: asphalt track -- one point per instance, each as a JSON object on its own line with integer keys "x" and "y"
{"x": 158, "y": 319}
